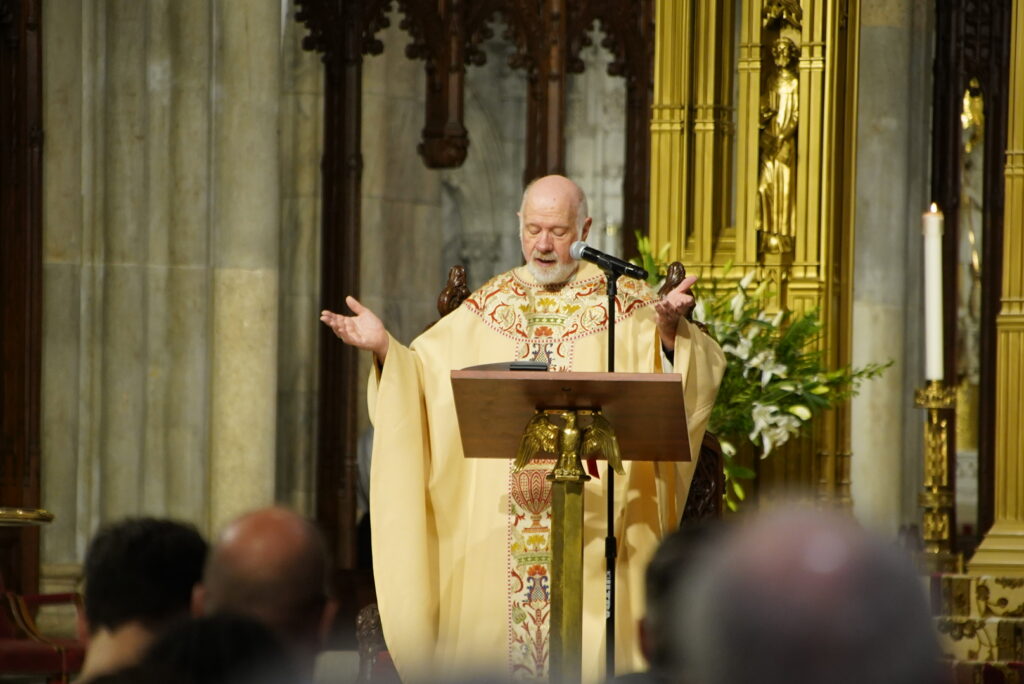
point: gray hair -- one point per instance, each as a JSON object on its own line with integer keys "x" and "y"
{"x": 802, "y": 597}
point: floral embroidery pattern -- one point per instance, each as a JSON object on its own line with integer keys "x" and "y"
{"x": 529, "y": 585}
{"x": 521, "y": 310}
{"x": 545, "y": 325}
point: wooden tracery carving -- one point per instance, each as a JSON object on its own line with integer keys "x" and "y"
{"x": 21, "y": 153}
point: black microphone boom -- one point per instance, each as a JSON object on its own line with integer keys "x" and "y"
{"x": 581, "y": 250}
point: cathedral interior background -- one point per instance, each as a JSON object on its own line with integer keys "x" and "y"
{"x": 185, "y": 184}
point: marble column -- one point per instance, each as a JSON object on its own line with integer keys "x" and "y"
{"x": 244, "y": 238}
{"x": 894, "y": 96}
{"x": 180, "y": 247}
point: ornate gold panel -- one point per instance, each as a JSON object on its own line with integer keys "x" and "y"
{"x": 761, "y": 175}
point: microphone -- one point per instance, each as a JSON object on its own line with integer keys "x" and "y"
{"x": 581, "y": 250}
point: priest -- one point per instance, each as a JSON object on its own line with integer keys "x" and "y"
{"x": 461, "y": 547}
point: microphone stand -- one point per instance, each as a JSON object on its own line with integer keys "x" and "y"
{"x": 610, "y": 547}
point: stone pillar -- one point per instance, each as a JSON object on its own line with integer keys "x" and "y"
{"x": 1002, "y": 550}
{"x": 894, "y": 94}
{"x": 181, "y": 181}
{"x": 301, "y": 144}
{"x": 244, "y": 243}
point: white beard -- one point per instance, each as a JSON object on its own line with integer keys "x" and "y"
{"x": 550, "y": 275}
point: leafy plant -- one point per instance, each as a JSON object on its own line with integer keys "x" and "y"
{"x": 775, "y": 381}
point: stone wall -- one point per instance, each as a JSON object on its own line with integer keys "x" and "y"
{"x": 181, "y": 215}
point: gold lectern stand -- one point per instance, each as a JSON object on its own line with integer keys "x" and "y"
{"x": 645, "y": 410}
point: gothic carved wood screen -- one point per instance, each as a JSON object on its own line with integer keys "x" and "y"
{"x": 447, "y": 35}
{"x": 21, "y": 141}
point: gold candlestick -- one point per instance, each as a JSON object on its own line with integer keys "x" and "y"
{"x": 937, "y": 498}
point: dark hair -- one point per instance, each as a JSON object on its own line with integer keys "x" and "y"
{"x": 221, "y": 649}
{"x": 138, "y": 674}
{"x": 141, "y": 569}
{"x": 673, "y": 560}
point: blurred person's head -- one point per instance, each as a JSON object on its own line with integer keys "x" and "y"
{"x": 271, "y": 564}
{"x": 804, "y": 596}
{"x": 139, "y": 576}
{"x": 672, "y": 563}
{"x": 219, "y": 649}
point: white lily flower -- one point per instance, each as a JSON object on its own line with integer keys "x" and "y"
{"x": 772, "y": 427}
{"x": 765, "y": 361}
{"x": 741, "y": 350}
{"x": 761, "y": 414}
{"x": 746, "y": 280}
{"x": 777, "y": 321}
{"x": 698, "y": 311}
{"x": 736, "y": 304}
{"x": 727, "y": 448}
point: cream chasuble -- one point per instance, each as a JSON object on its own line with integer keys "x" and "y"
{"x": 461, "y": 548}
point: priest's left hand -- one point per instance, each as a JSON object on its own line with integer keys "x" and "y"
{"x": 670, "y": 308}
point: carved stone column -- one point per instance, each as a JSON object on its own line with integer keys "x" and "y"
{"x": 161, "y": 260}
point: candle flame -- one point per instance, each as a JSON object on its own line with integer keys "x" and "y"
{"x": 934, "y": 208}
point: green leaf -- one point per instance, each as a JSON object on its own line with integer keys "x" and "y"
{"x": 739, "y": 472}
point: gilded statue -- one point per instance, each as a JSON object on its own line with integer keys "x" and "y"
{"x": 569, "y": 443}
{"x": 779, "y": 118}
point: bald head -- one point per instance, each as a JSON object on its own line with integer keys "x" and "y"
{"x": 802, "y": 595}
{"x": 556, "y": 192}
{"x": 270, "y": 564}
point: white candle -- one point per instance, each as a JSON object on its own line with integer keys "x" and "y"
{"x": 931, "y": 226}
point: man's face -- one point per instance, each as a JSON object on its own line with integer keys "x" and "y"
{"x": 549, "y": 227}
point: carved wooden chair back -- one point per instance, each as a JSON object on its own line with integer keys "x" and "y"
{"x": 24, "y": 650}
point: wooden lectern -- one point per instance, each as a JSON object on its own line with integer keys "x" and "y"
{"x": 494, "y": 407}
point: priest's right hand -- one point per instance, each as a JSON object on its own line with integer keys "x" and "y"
{"x": 364, "y": 330}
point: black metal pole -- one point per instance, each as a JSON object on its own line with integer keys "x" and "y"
{"x": 610, "y": 549}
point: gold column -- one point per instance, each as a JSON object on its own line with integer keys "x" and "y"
{"x": 567, "y": 576}
{"x": 711, "y": 122}
{"x": 690, "y": 126}
{"x": 1002, "y": 551}
{"x": 670, "y": 121}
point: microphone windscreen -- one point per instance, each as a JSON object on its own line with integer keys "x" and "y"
{"x": 576, "y": 249}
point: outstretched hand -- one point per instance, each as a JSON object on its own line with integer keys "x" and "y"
{"x": 670, "y": 308}
{"x": 364, "y": 330}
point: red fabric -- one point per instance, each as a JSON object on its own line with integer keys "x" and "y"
{"x": 384, "y": 669}
{"x": 24, "y": 656}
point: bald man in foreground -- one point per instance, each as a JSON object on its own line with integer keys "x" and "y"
{"x": 462, "y": 547}
{"x": 271, "y": 565}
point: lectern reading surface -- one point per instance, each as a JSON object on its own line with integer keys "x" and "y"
{"x": 646, "y": 409}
